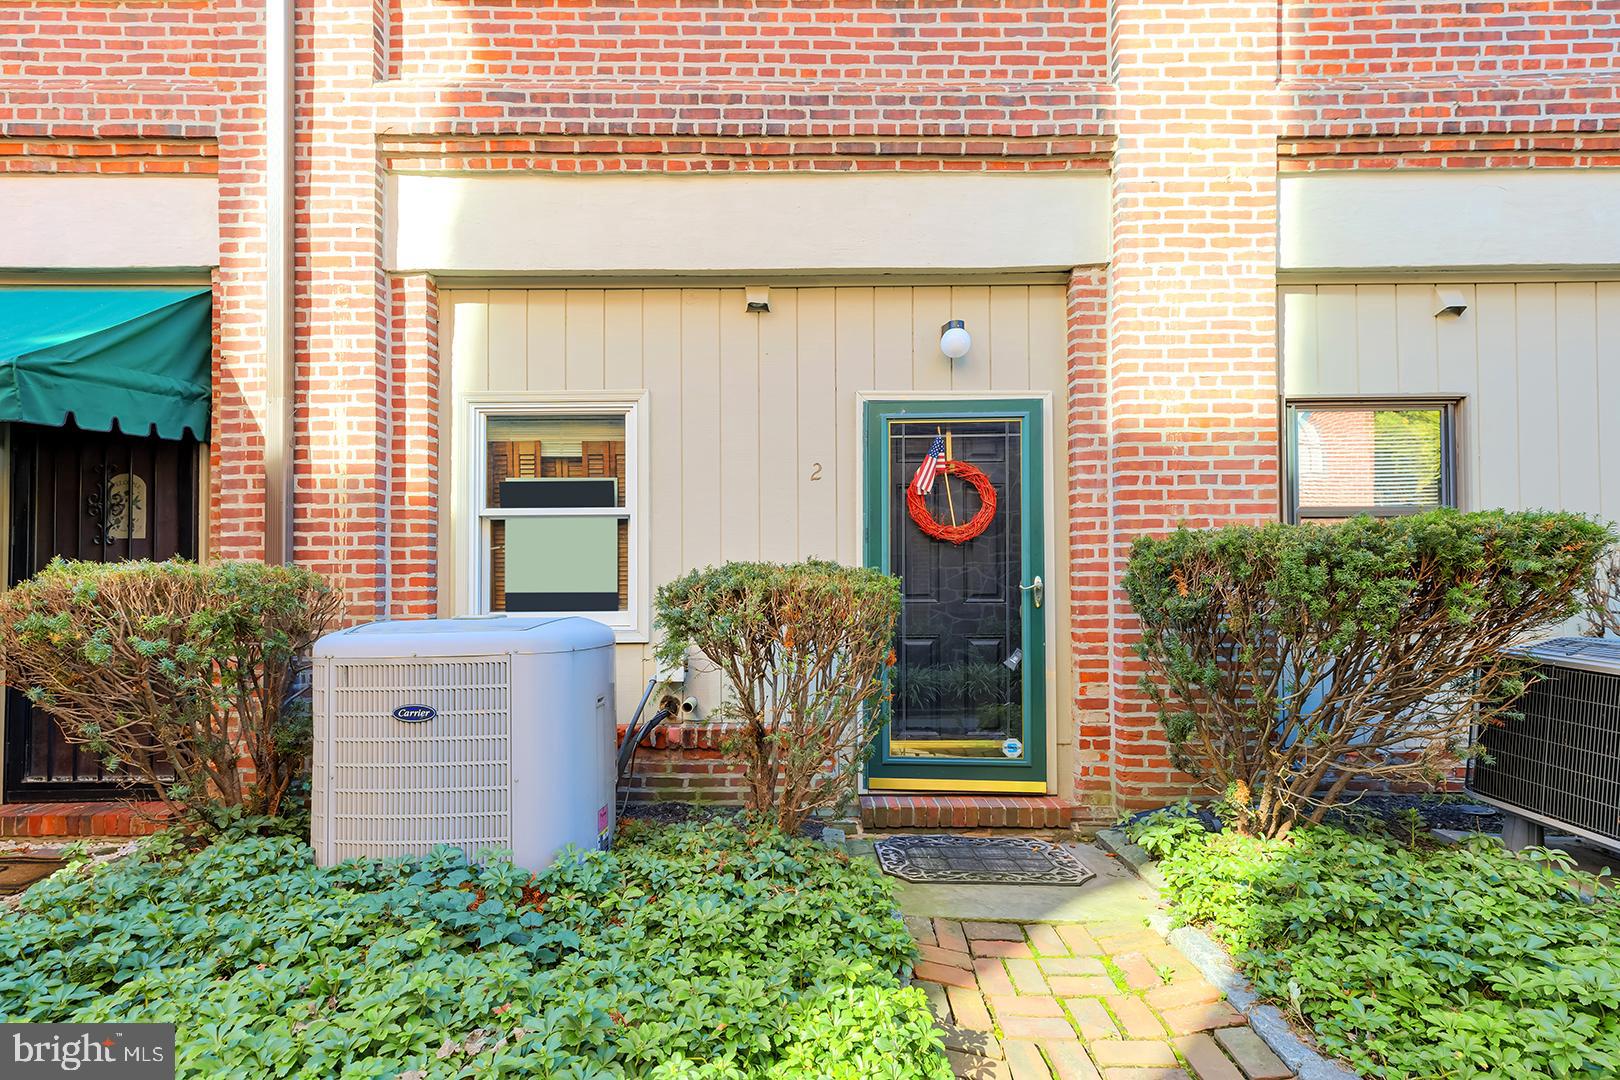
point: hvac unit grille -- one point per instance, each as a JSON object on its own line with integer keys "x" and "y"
{"x": 400, "y": 788}
{"x": 1560, "y": 761}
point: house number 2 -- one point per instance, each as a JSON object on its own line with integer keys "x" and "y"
{"x": 815, "y": 470}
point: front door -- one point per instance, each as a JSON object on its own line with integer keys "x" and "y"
{"x": 967, "y": 703}
{"x": 98, "y": 496}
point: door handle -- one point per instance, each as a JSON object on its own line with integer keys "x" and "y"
{"x": 1037, "y": 588}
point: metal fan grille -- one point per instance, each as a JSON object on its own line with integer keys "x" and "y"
{"x": 1559, "y": 761}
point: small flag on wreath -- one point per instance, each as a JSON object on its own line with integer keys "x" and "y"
{"x": 923, "y": 481}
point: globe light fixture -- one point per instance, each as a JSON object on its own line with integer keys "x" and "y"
{"x": 954, "y": 340}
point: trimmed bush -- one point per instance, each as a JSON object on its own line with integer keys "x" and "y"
{"x": 1288, "y": 661}
{"x": 177, "y": 672}
{"x": 804, "y": 648}
{"x": 688, "y": 951}
{"x": 1412, "y": 963}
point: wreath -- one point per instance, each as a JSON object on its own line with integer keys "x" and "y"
{"x": 956, "y": 534}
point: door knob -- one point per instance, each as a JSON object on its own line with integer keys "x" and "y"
{"x": 1037, "y": 588}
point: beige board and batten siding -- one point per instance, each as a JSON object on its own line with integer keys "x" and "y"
{"x": 752, "y": 418}
{"x": 1535, "y": 365}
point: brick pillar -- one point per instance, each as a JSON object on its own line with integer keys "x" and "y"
{"x": 1090, "y": 542}
{"x": 241, "y": 387}
{"x": 413, "y": 483}
{"x": 343, "y": 309}
{"x": 1192, "y": 301}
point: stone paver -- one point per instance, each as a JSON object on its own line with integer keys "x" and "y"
{"x": 1025, "y": 1061}
{"x": 1177, "y": 995}
{"x": 1082, "y": 985}
{"x": 1191, "y": 1019}
{"x": 1046, "y": 940}
{"x": 1138, "y": 970}
{"x": 993, "y": 976}
{"x": 939, "y": 973}
{"x": 938, "y": 1002}
{"x": 1136, "y": 1020}
{"x": 1069, "y": 1060}
{"x": 1079, "y": 940}
{"x": 981, "y": 1043}
{"x": 973, "y": 1067}
{"x": 1092, "y": 1019}
{"x": 1252, "y": 1054}
{"x": 968, "y": 1009}
{"x": 1024, "y": 1005}
{"x": 1076, "y": 965}
{"x": 949, "y": 957}
{"x": 1206, "y": 1058}
{"x": 948, "y": 935}
{"x": 1136, "y": 1053}
{"x": 1027, "y": 977}
{"x": 1001, "y": 948}
{"x": 1036, "y": 1027}
{"x": 1132, "y": 1007}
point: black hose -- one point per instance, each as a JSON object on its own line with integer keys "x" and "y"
{"x": 632, "y": 739}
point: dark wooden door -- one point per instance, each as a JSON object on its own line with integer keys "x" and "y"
{"x": 101, "y": 497}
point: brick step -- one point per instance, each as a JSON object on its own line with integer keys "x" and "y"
{"x": 81, "y": 819}
{"x": 964, "y": 812}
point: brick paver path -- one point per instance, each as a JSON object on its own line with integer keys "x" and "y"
{"x": 1031, "y": 1001}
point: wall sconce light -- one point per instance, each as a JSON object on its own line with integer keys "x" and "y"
{"x": 954, "y": 340}
{"x": 758, "y": 298}
{"x": 1449, "y": 302}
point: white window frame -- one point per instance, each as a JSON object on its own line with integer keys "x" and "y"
{"x": 1449, "y": 458}
{"x": 630, "y": 625}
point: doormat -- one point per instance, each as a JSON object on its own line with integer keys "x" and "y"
{"x": 979, "y": 860}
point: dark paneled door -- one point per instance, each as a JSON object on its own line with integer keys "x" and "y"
{"x": 102, "y": 497}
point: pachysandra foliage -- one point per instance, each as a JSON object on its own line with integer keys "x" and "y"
{"x": 1289, "y": 661}
{"x": 804, "y": 648}
{"x": 176, "y": 671}
{"x": 690, "y": 951}
{"x": 1433, "y": 963}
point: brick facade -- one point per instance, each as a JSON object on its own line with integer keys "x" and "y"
{"x": 1193, "y": 109}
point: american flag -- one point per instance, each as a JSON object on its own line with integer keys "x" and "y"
{"x": 923, "y": 482}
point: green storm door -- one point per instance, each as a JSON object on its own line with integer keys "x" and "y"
{"x": 967, "y": 703}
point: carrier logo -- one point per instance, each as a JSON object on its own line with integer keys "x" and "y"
{"x": 415, "y": 714}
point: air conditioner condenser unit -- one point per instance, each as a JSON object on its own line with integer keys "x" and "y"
{"x": 475, "y": 733}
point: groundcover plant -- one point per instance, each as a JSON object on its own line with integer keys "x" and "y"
{"x": 1412, "y": 961}
{"x": 693, "y": 950}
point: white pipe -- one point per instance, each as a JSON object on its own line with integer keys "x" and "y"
{"x": 278, "y": 263}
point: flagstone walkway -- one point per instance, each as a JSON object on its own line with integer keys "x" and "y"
{"x": 1100, "y": 996}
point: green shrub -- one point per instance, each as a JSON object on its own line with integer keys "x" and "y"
{"x": 1288, "y": 661}
{"x": 1436, "y": 963}
{"x": 804, "y": 648}
{"x": 693, "y": 950}
{"x": 177, "y": 671}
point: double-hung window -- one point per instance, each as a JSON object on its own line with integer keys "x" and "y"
{"x": 1383, "y": 458}
{"x": 558, "y": 513}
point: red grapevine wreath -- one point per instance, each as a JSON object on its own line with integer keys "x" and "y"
{"x": 956, "y": 534}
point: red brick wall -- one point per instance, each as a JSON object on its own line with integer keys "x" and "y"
{"x": 950, "y": 41}
{"x": 1402, "y": 39}
{"x": 42, "y": 39}
{"x": 1192, "y": 298}
{"x": 1171, "y": 353}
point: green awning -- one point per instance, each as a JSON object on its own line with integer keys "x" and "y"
{"x": 137, "y": 357}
